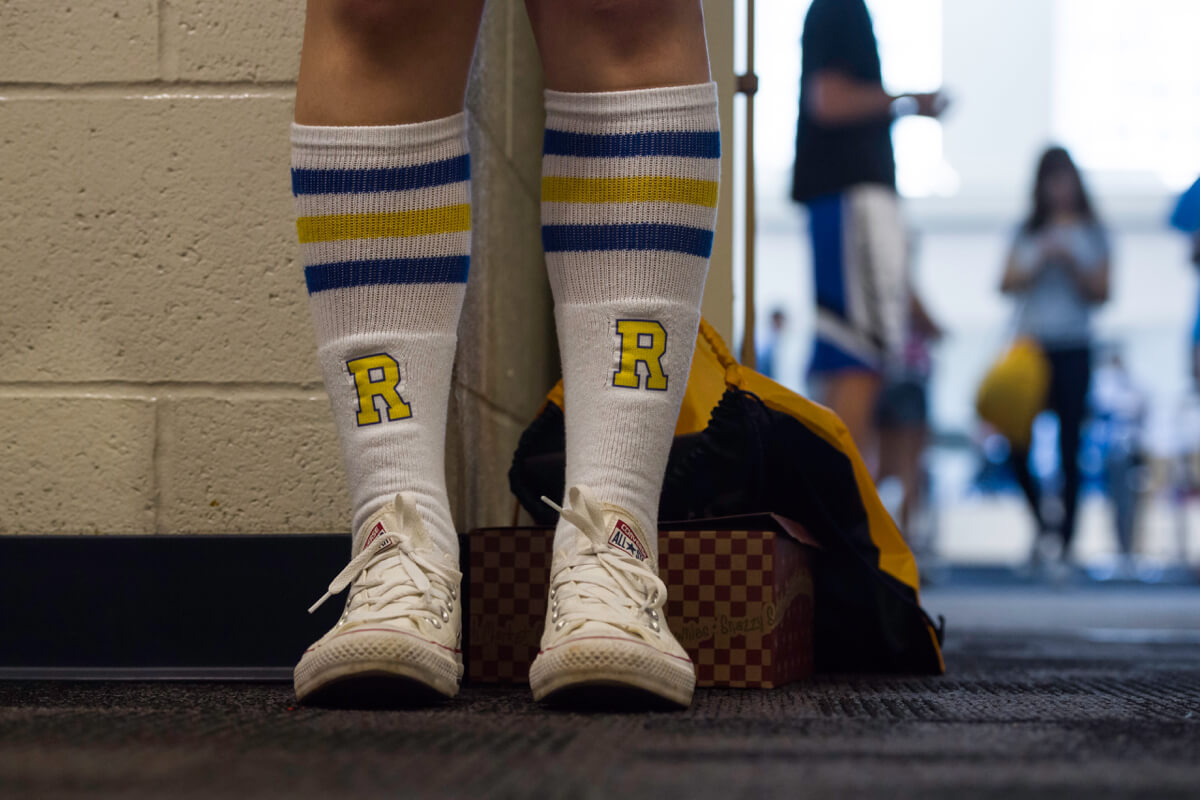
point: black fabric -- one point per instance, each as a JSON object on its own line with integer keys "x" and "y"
{"x": 751, "y": 459}
{"x": 838, "y": 36}
{"x": 538, "y": 465}
{"x": 1070, "y": 375}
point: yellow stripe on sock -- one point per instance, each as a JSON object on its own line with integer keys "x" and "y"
{"x": 377, "y": 225}
{"x": 640, "y": 189}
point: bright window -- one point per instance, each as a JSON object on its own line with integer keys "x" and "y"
{"x": 1127, "y": 86}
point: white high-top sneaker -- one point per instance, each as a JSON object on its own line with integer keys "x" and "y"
{"x": 400, "y": 634}
{"x": 605, "y": 627}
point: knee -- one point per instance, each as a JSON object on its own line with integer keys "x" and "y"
{"x": 622, "y": 19}
{"x": 612, "y": 8}
{"x": 373, "y": 16}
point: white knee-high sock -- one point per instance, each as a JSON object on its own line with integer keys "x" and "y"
{"x": 384, "y": 222}
{"x": 629, "y": 195}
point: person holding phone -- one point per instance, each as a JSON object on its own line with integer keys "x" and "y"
{"x": 1058, "y": 272}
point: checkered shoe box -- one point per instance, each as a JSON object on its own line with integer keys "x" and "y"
{"x": 724, "y": 604}
{"x": 508, "y": 570}
{"x": 740, "y": 602}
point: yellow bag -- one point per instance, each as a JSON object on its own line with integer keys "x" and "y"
{"x": 1013, "y": 392}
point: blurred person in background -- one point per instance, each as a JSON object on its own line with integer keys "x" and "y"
{"x": 768, "y": 353}
{"x": 1185, "y": 466}
{"x": 1118, "y": 415}
{"x": 1196, "y": 326}
{"x": 1186, "y": 218}
{"x": 845, "y": 173}
{"x": 1058, "y": 272}
{"x": 902, "y": 416}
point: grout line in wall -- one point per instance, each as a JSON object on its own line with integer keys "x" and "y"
{"x": 508, "y": 81}
{"x": 148, "y": 90}
{"x": 165, "y": 71}
{"x": 491, "y": 405}
{"x": 534, "y": 193}
{"x": 156, "y": 461}
{"x": 182, "y": 389}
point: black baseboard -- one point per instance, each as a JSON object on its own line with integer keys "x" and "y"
{"x": 163, "y": 607}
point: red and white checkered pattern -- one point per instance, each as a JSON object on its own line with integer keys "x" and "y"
{"x": 508, "y": 572}
{"x": 720, "y": 583}
{"x": 724, "y": 590}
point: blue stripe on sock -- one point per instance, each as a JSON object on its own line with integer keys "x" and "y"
{"x": 692, "y": 144}
{"x": 675, "y": 238}
{"x": 343, "y": 274}
{"x": 384, "y": 179}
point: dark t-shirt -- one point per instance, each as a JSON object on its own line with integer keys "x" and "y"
{"x": 838, "y": 35}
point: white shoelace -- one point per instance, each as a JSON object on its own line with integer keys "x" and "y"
{"x": 602, "y": 584}
{"x": 428, "y": 593}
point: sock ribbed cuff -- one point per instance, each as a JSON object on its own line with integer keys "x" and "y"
{"x": 389, "y": 140}
{"x": 629, "y": 192}
{"x": 660, "y": 103}
{"x": 380, "y": 208}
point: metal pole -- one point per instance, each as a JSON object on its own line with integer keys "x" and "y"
{"x": 748, "y": 85}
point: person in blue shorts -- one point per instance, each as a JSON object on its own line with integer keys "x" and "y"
{"x": 845, "y": 173}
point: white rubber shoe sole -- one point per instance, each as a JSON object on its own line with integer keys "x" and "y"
{"x": 396, "y": 666}
{"x": 598, "y": 662}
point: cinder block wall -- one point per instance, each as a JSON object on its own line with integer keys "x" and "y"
{"x": 157, "y": 367}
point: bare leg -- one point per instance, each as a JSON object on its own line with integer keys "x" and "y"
{"x": 900, "y": 450}
{"x": 1030, "y": 485}
{"x": 385, "y": 62}
{"x": 613, "y": 45}
{"x": 852, "y": 395}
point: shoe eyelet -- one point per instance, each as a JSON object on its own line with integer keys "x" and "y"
{"x": 437, "y": 623}
{"x": 453, "y": 593}
{"x": 553, "y": 592}
{"x": 654, "y": 626}
{"x": 445, "y": 615}
{"x": 560, "y": 625}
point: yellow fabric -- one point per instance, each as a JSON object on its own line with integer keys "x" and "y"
{"x": 706, "y": 385}
{"x": 381, "y": 224}
{"x": 714, "y": 369}
{"x": 1013, "y": 392}
{"x": 636, "y": 189}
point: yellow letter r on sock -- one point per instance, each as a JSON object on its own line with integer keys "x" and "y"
{"x": 378, "y": 376}
{"x": 643, "y": 341}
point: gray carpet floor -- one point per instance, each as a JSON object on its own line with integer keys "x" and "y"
{"x": 1017, "y": 716}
